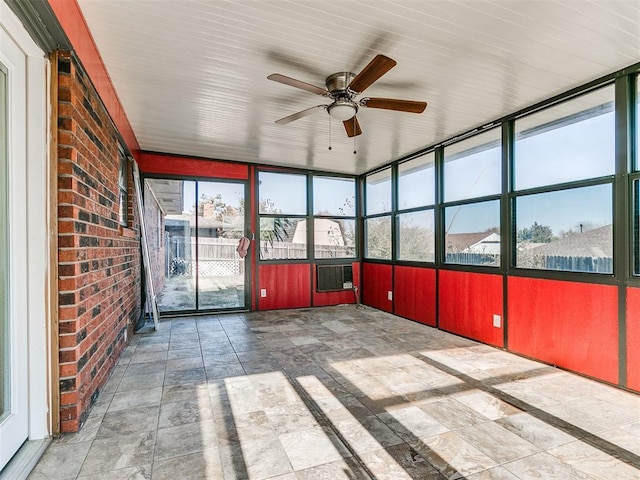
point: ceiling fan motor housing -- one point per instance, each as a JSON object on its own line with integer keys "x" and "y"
{"x": 338, "y": 82}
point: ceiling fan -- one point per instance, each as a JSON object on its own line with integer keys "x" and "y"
{"x": 343, "y": 88}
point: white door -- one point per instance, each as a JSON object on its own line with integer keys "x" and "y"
{"x": 14, "y": 419}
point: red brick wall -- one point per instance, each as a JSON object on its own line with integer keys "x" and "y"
{"x": 98, "y": 260}
{"x": 154, "y": 223}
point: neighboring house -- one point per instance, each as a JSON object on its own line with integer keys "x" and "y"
{"x": 596, "y": 243}
{"x": 480, "y": 242}
{"x": 326, "y": 232}
{"x": 591, "y": 251}
{"x": 181, "y": 224}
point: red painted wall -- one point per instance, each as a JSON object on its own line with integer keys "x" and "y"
{"x": 568, "y": 324}
{"x": 196, "y": 167}
{"x": 467, "y": 303}
{"x": 336, "y": 298}
{"x": 288, "y": 285}
{"x": 633, "y": 338}
{"x": 377, "y": 281}
{"x": 415, "y": 294}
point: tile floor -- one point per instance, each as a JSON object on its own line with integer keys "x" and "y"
{"x": 342, "y": 393}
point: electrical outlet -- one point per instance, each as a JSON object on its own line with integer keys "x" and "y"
{"x": 263, "y": 292}
{"x": 496, "y": 320}
{"x": 389, "y": 295}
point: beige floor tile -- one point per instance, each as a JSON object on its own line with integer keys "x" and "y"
{"x": 312, "y": 447}
{"x": 336, "y": 393}
{"x": 185, "y": 439}
{"x": 204, "y": 465}
{"x": 135, "y": 398}
{"x": 543, "y": 465}
{"x": 107, "y": 454}
{"x": 141, "y": 472}
{"x": 61, "y": 461}
{"x": 452, "y": 455}
{"x": 595, "y": 463}
{"x": 129, "y": 422}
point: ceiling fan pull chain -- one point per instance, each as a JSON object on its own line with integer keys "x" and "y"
{"x": 355, "y": 136}
{"x": 329, "y": 132}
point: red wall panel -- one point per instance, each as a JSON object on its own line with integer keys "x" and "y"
{"x": 288, "y": 285}
{"x": 336, "y": 298}
{"x": 415, "y": 294}
{"x": 196, "y": 167}
{"x": 467, "y": 303}
{"x": 633, "y": 338}
{"x": 568, "y": 324}
{"x": 377, "y": 281}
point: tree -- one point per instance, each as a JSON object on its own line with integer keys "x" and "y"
{"x": 536, "y": 233}
{"x": 379, "y": 237}
{"x": 579, "y": 228}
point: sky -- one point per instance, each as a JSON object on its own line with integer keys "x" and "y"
{"x": 231, "y": 192}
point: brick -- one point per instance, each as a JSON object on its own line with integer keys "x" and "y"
{"x": 99, "y": 268}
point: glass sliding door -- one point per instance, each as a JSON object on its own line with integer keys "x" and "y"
{"x": 221, "y": 223}
{"x": 193, "y": 227}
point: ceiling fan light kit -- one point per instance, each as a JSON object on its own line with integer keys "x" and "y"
{"x": 342, "y": 109}
{"x": 343, "y": 88}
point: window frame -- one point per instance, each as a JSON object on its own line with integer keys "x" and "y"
{"x": 309, "y": 217}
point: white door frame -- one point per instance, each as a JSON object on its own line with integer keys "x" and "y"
{"x": 29, "y": 201}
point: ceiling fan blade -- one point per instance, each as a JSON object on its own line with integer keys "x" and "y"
{"x": 276, "y": 77}
{"x": 372, "y": 72}
{"x": 394, "y": 104}
{"x": 352, "y": 127}
{"x": 292, "y": 62}
{"x": 300, "y": 114}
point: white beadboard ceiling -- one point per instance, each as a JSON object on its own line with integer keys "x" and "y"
{"x": 192, "y": 74}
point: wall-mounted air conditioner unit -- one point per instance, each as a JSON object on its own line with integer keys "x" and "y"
{"x": 330, "y": 278}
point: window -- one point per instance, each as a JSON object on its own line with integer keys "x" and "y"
{"x": 283, "y": 238}
{"x": 283, "y": 215}
{"x": 334, "y": 199}
{"x": 378, "y": 192}
{"x": 282, "y": 193}
{"x": 334, "y": 238}
{"x": 378, "y": 234}
{"x": 122, "y": 188}
{"x": 416, "y": 182}
{"x": 334, "y": 196}
{"x": 472, "y": 167}
{"x": 472, "y": 233}
{"x": 416, "y": 240}
{"x": 377, "y": 230}
{"x": 568, "y": 142}
{"x": 570, "y": 228}
{"x": 637, "y": 123}
{"x": 636, "y": 227}
{"x": 567, "y": 230}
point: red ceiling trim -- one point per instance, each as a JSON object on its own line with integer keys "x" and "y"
{"x": 74, "y": 25}
{"x": 163, "y": 164}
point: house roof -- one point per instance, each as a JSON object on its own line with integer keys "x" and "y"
{"x": 592, "y": 243}
{"x": 458, "y": 242}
